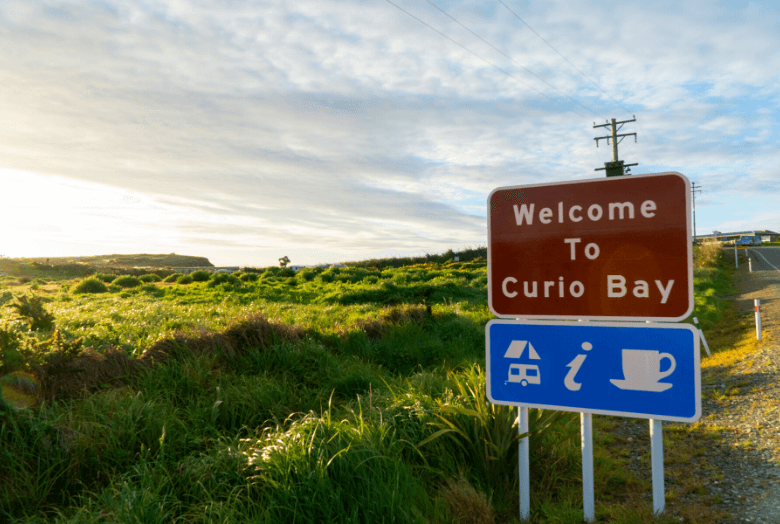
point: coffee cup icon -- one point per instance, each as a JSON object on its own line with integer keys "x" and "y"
{"x": 642, "y": 370}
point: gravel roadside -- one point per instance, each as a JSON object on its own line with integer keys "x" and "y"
{"x": 729, "y": 469}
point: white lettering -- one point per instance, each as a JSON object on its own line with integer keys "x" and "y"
{"x": 620, "y": 207}
{"x": 595, "y": 212}
{"x": 641, "y": 289}
{"x": 573, "y": 242}
{"x": 664, "y": 290}
{"x": 524, "y": 213}
{"x": 513, "y": 294}
{"x": 531, "y": 288}
{"x": 648, "y": 206}
{"x": 592, "y": 251}
{"x": 616, "y": 286}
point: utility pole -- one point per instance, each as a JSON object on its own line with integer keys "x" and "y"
{"x": 694, "y": 190}
{"x": 615, "y": 168}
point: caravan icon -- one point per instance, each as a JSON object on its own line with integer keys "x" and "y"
{"x": 523, "y": 373}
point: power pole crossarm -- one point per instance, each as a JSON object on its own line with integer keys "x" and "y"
{"x": 614, "y": 168}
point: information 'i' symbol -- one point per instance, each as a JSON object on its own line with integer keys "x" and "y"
{"x": 574, "y": 366}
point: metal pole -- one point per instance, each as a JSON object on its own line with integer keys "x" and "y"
{"x": 588, "y": 503}
{"x": 525, "y": 480}
{"x": 757, "y": 304}
{"x": 736, "y": 258}
{"x": 657, "y": 458}
{"x": 614, "y": 141}
{"x": 693, "y": 194}
{"x": 701, "y": 334}
{"x": 694, "y": 190}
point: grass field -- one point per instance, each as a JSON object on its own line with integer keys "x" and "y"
{"x": 342, "y": 395}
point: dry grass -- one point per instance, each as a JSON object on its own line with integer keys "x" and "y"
{"x": 249, "y": 332}
{"x": 375, "y": 328}
{"x": 62, "y": 376}
{"x": 706, "y": 255}
{"x": 465, "y": 504}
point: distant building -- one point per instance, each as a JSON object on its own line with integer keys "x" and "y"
{"x": 717, "y": 236}
{"x": 211, "y": 269}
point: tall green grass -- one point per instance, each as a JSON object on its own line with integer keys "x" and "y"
{"x": 365, "y": 403}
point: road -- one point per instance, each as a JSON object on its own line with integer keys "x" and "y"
{"x": 768, "y": 257}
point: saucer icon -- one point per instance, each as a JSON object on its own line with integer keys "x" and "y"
{"x": 626, "y": 384}
{"x": 642, "y": 370}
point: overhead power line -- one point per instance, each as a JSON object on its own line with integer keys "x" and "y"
{"x": 478, "y": 56}
{"x": 578, "y": 69}
{"x": 561, "y": 55}
{"x": 510, "y": 58}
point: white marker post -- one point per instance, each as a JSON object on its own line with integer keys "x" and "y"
{"x": 657, "y": 459}
{"x": 757, "y": 304}
{"x": 525, "y": 479}
{"x": 588, "y": 500}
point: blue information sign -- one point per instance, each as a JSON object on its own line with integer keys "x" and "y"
{"x": 610, "y": 368}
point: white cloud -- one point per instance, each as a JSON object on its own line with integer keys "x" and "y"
{"x": 351, "y": 128}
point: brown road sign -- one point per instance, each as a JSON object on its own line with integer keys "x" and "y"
{"x": 605, "y": 249}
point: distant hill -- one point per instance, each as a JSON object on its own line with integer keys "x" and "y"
{"x": 142, "y": 260}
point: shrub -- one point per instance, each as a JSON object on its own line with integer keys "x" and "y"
{"x": 126, "y": 281}
{"x": 200, "y": 275}
{"x": 286, "y": 272}
{"x": 32, "y": 310}
{"x": 23, "y": 280}
{"x": 249, "y": 277}
{"x": 105, "y": 277}
{"x": 11, "y": 358}
{"x": 153, "y": 290}
{"x": 151, "y": 277}
{"x": 91, "y": 285}
{"x": 7, "y": 296}
{"x": 184, "y": 279}
{"x": 271, "y": 272}
{"x": 222, "y": 278}
{"x": 307, "y": 274}
{"x": 326, "y": 277}
{"x": 172, "y": 278}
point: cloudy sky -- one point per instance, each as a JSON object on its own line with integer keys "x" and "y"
{"x": 336, "y": 131}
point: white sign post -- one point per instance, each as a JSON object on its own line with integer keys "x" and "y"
{"x": 523, "y": 463}
{"x": 588, "y": 496}
{"x": 657, "y": 458}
